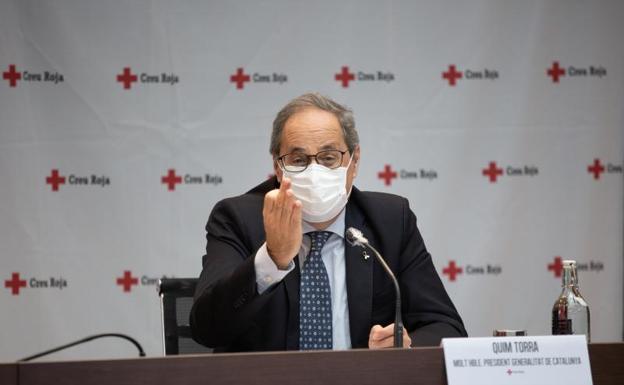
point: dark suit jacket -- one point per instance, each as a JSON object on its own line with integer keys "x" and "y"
{"x": 229, "y": 314}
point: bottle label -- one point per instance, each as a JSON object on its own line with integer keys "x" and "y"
{"x": 561, "y": 326}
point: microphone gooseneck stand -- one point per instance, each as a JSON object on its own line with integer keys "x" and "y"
{"x": 356, "y": 238}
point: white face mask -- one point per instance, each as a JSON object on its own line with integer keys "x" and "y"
{"x": 321, "y": 190}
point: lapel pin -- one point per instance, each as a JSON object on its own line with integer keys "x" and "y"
{"x": 365, "y": 255}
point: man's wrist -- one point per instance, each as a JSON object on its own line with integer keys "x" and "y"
{"x": 278, "y": 265}
{"x": 285, "y": 268}
{"x": 267, "y": 272}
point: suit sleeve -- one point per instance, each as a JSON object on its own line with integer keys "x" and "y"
{"x": 428, "y": 312}
{"x": 226, "y": 298}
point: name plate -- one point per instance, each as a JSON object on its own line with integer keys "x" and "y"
{"x": 517, "y": 360}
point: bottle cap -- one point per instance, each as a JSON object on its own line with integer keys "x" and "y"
{"x": 509, "y": 332}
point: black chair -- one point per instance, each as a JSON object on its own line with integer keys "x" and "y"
{"x": 176, "y": 300}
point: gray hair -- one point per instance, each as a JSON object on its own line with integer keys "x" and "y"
{"x": 314, "y": 100}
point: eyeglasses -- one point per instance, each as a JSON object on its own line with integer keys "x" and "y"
{"x": 298, "y": 161}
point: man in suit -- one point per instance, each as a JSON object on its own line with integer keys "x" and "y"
{"x": 278, "y": 274}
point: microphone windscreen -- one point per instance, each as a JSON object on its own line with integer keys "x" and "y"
{"x": 354, "y": 236}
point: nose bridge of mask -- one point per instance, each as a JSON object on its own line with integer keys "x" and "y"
{"x": 316, "y": 177}
{"x": 318, "y": 183}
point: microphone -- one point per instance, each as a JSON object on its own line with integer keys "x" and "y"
{"x": 82, "y": 341}
{"x": 356, "y": 238}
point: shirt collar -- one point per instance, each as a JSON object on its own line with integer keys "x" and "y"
{"x": 337, "y": 227}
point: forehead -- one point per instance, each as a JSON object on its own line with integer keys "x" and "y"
{"x": 312, "y": 129}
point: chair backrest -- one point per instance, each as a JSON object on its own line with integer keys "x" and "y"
{"x": 176, "y": 300}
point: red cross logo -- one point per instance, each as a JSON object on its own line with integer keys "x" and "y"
{"x": 555, "y": 72}
{"x": 452, "y": 75}
{"x": 387, "y": 175}
{"x": 127, "y": 78}
{"x": 15, "y": 283}
{"x": 171, "y": 179}
{"x": 344, "y": 76}
{"x": 492, "y": 172}
{"x": 240, "y": 78}
{"x": 55, "y": 180}
{"x": 556, "y": 267}
{"x": 452, "y": 271}
{"x": 509, "y": 371}
{"x": 597, "y": 168}
{"x": 127, "y": 281}
{"x": 12, "y": 76}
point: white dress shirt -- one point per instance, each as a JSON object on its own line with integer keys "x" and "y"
{"x": 333, "y": 254}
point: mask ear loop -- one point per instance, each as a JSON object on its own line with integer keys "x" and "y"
{"x": 348, "y": 165}
{"x": 279, "y": 165}
{"x": 350, "y": 160}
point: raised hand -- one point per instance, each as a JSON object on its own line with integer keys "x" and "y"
{"x": 282, "y": 224}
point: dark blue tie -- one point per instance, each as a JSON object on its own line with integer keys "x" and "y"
{"x": 315, "y": 314}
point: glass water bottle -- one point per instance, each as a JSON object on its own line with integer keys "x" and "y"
{"x": 570, "y": 314}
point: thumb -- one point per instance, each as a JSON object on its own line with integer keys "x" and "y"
{"x": 375, "y": 331}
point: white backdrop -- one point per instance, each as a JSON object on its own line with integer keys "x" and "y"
{"x": 541, "y": 95}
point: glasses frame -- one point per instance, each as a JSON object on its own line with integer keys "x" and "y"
{"x": 280, "y": 160}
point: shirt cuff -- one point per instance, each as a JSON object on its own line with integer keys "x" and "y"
{"x": 267, "y": 273}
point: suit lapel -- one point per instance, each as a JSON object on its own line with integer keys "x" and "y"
{"x": 291, "y": 282}
{"x": 359, "y": 271}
